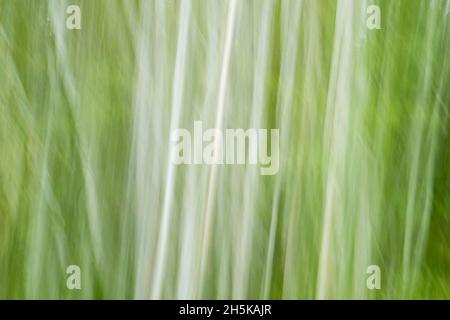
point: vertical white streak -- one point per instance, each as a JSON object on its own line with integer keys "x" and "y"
{"x": 177, "y": 97}
{"x": 218, "y": 125}
{"x": 271, "y": 246}
{"x": 290, "y": 33}
{"x": 244, "y": 254}
{"x": 337, "y": 124}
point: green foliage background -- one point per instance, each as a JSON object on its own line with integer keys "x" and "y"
{"x": 85, "y": 122}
